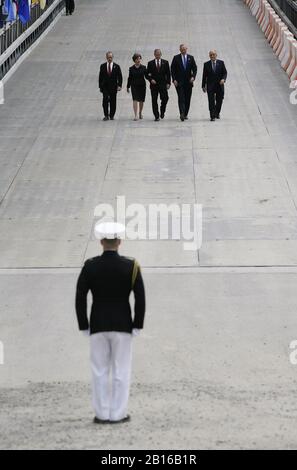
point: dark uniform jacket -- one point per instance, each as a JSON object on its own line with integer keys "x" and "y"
{"x": 178, "y": 71}
{"x": 110, "y": 278}
{"x": 211, "y": 79}
{"x": 110, "y": 83}
{"x": 161, "y": 77}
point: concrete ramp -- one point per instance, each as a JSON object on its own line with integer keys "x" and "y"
{"x": 212, "y": 368}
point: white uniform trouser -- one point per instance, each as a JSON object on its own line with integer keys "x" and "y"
{"x": 111, "y": 352}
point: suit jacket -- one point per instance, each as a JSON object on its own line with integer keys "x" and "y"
{"x": 178, "y": 72}
{"x": 110, "y": 83}
{"x": 162, "y": 77}
{"x": 137, "y": 76}
{"x": 109, "y": 278}
{"x": 211, "y": 79}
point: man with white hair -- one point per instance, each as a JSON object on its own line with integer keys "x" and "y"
{"x": 213, "y": 81}
{"x": 110, "y": 278}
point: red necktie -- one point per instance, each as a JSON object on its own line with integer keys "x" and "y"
{"x": 158, "y": 65}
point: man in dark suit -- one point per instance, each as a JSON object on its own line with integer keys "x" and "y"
{"x": 183, "y": 71}
{"x": 158, "y": 73}
{"x": 110, "y": 278}
{"x": 110, "y": 82}
{"x": 213, "y": 80}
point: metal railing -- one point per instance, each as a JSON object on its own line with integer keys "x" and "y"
{"x": 10, "y": 33}
{"x": 287, "y": 10}
{"x": 17, "y": 38}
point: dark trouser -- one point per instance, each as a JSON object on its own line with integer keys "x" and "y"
{"x": 69, "y": 6}
{"x": 215, "y": 100}
{"x": 155, "y": 91}
{"x": 111, "y": 100}
{"x": 184, "y": 98}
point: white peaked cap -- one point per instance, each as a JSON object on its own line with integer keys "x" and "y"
{"x": 110, "y": 230}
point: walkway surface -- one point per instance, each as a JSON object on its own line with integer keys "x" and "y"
{"x": 211, "y": 368}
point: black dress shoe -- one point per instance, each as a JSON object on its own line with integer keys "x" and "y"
{"x": 157, "y": 119}
{"x": 212, "y": 119}
{"x": 182, "y": 117}
{"x": 123, "y": 420}
{"x": 105, "y": 118}
{"x": 100, "y": 421}
{"x": 186, "y": 118}
{"x": 162, "y": 115}
{"x": 111, "y": 118}
{"x": 218, "y": 116}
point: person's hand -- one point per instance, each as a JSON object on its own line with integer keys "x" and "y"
{"x": 85, "y": 332}
{"x": 168, "y": 86}
{"x": 192, "y": 80}
{"x": 119, "y": 88}
{"x": 204, "y": 89}
{"x": 222, "y": 82}
{"x": 175, "y": 83}
{"x": 128, "y": 90}
{"x": 153, "y": 82}
{"x": 135, "y": 332}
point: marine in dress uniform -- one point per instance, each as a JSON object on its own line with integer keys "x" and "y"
{"x": 213, "y": 81}
{"x": 110, "y": 278}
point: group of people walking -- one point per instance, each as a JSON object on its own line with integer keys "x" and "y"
{"x": 182, "y": 73}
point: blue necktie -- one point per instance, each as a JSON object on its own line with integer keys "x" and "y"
{"x": 185, "y": 62}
